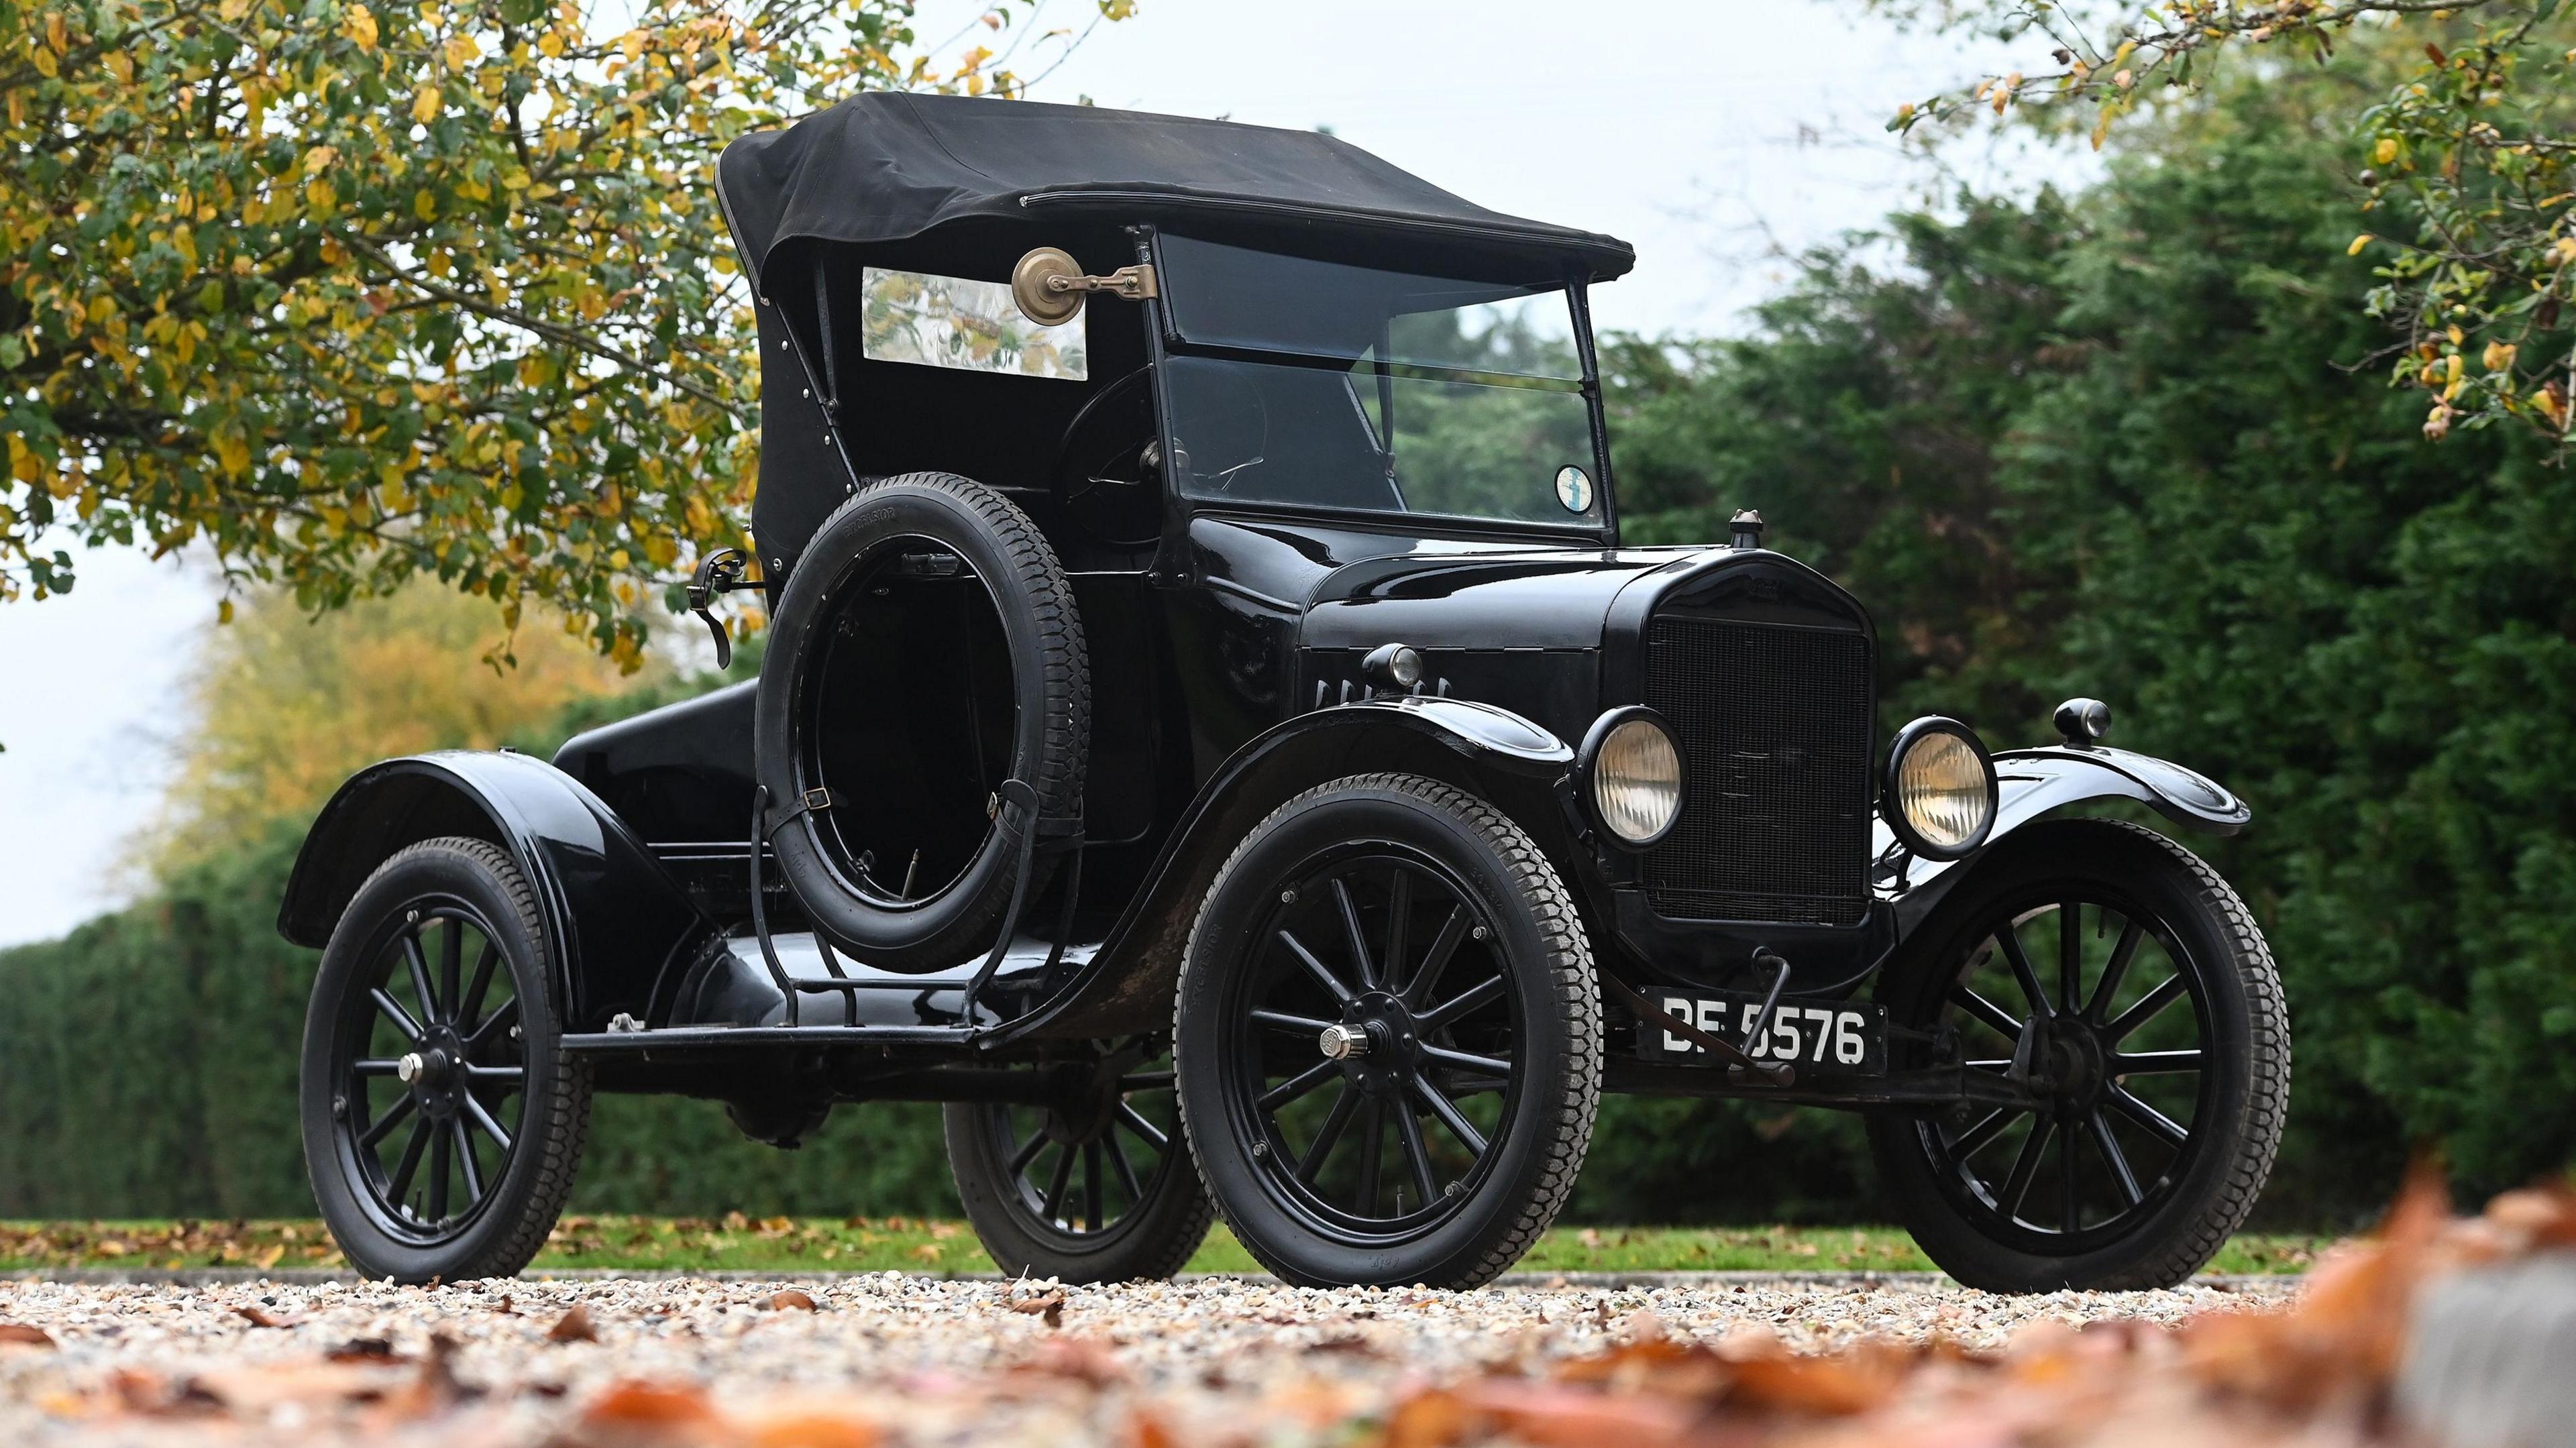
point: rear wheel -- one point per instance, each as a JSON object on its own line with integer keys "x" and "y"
{"x": 443, "y": 1123}
{"x": 1100, "y": 1189}
{"x": 1388, "y": 1037}
{"x": 2124, "y": 981}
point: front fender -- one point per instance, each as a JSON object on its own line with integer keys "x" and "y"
{"x": 612, "y": 914}
{"x": 1128, "y": 983}
{"x": 2035, "y": 782}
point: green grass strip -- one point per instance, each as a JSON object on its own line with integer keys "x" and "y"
{"x": 859, "y": 1244}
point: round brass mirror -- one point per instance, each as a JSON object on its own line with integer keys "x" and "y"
{"x": 1042, "y": 298}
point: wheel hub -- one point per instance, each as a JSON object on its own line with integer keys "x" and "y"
{"x": 436, "y": 1071}
{"x": 1375, "y": 1041}
{"x": 2078, "y": 1061}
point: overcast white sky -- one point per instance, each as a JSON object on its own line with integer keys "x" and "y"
{"x": 1706, "y": 132}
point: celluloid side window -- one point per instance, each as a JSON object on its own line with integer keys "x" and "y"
{"x": 974, "y": 326}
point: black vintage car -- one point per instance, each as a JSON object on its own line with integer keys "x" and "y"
{"x": 1214, "y": 739}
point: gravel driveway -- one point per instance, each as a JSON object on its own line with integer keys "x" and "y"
{"x": 925, "y": 1361}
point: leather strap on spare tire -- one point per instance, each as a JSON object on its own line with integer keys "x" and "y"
{"x": 925, "y": 679}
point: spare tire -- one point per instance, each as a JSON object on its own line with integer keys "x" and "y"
{"x": 926, "y": 652}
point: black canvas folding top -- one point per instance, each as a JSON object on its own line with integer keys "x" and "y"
{"x": 888, "y": 167}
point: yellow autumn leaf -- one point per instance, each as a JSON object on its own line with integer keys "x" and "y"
{"x": 321, "y": 197}
{"x": 2565, "y": 251}
{"x": 2453, "y": 367}
{"x": 46, "y": 65}
{"x": 2499, "y": 356}
{"x": 551, "y": 45}
{"x": 360, "y": 25}
{"x": 424, "y": 205}
{"x": 2385, "y": 151}
{"x": 55, "y": 35}
{"x": 233, "y": 453}
{"x": 632, "y": 43}
{"x": 425, "y": 106}
{"x": 461, "y": 51}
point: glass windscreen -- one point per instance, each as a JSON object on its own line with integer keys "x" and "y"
{"x": 1390, "y": 392}
{"x": 1229, "y": 296}
{"x": 1256, "y": 432}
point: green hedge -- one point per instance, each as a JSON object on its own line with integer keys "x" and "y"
{"x": 147, "y": 1069}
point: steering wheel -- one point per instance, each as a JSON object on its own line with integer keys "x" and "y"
{"x": 1105, "y": 471}
{"x": 1245, "y": 403}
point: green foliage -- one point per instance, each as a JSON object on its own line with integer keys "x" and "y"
{"x": 148, "y": 1063}
{"x": 2126, "y": 443}
{"x": 351, "y": 296}
{"x": 2472, "y": 150}
{"x": 2123, "y": 444}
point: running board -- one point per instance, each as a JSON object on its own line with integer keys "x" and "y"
{"x": 736, "y": 1037}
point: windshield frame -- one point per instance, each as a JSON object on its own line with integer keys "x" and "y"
{"x": 1165, "y": 341}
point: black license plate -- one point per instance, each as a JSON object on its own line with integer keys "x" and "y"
{"x": 1822, "y": 1038}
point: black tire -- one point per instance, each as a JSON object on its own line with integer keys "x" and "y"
{"x": 490, "y": 1099}
{"x": 1105, "y": 1193}
{"x": 876, "y": 910}
{"x": 2157, "y": 1126}
{"x": 1311, "y": 1201}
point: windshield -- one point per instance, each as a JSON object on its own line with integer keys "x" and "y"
{"x": 1312, "y": 383}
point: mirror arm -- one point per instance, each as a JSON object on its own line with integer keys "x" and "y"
{"x": 1131, "y": 283}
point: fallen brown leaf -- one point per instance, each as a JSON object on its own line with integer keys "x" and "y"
{"x": 1079, "y": 1359}
{"x": 259, "y": 1316}
{"x": 1049, "y": 1304}
{"x": 823, "y": 1425}
{"x": 573, "y": 1326}
{"x": 434, "y": 1389}
{"x": 640, "y": 1412}
{"x": 1146, "y": 1429}
{"x": 22, "y": 1335}
{"x": 791, "y": 1300}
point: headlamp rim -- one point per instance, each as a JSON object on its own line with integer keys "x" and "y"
{"x": 1891, "y": 806}
{"x": 1585, "y": 775}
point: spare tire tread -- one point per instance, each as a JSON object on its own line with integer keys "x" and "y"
{"x": 1031, "y": 590}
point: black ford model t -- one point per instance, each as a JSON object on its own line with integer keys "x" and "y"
{"x": 1214, "y": 739}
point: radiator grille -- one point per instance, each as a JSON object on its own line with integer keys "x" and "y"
{"x": 1774, "y": 725}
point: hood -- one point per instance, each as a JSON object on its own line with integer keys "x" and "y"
{"x": 1523, "y": 599}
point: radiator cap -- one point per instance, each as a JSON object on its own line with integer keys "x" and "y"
{"x": 1747, "y": 528}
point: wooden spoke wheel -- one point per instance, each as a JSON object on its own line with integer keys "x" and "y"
{"x": 1389, "y": 1043}
{"x": 1100, "y": 1189}
{"x": 2118, "y": 982}
{"x": 441, "y": 1124}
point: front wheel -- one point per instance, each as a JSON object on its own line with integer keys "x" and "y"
{"x": 1388, "y": 1037}
{"x": 2114, "y": 978}
{"x": 442, "y": 1120}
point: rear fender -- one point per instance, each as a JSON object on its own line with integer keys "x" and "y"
{"x": 612, "y": 914}
{"x": 1495, "y": 753}
{"x": 2036, "y": 782}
